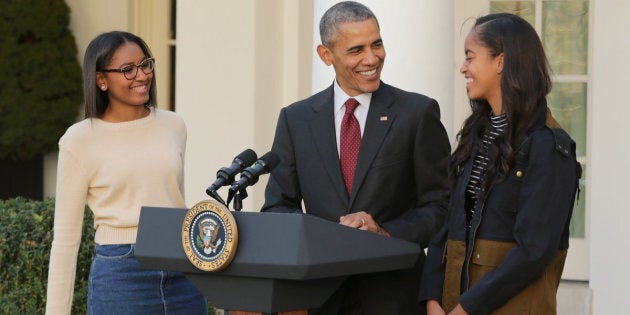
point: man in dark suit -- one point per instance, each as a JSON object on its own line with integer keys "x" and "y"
{"x": 381, "y": 168}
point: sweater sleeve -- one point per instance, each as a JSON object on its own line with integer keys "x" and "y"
{"x": 71, "y": 194}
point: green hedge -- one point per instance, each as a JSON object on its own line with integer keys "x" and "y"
{"x": 25, "y": 239}
{"x": 40, "y": 77}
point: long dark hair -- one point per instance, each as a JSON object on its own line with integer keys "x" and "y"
{"x": 97, "y": 56}
{"x": 525, "y": 82}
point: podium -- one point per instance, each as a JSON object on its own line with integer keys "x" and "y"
{"x": 283, "y": 261}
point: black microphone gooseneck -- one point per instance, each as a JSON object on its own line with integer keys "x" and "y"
{"x": 250, "y": 176}
{"x": 225, "y": 175}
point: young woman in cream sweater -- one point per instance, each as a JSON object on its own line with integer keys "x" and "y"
{"x": 125, "y": 154}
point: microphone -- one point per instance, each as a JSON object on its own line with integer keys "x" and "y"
{"x": 250, "y": 175}
{"x": 226, "y": 174}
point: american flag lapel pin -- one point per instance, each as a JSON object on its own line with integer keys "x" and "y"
{"x": 383, "y": 118}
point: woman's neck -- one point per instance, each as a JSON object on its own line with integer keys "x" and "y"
{"x": 128, "y": 113}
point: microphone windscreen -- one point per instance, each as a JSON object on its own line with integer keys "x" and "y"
{"x": 271, "y": 159}
{"x": 248, "y": 157}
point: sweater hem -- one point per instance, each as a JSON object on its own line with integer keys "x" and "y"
{"x": 107, "y": 235}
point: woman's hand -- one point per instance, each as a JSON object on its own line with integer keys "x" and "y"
{"x": 458, "y": 310}
{"x": 434, "y": 308}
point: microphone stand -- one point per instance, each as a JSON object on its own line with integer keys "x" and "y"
{"x": 215, "y": 195}
{"x": 238, "y": 199}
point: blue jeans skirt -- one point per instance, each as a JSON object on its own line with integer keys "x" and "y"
{"x": 119, "y": 286}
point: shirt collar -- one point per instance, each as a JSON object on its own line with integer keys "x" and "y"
{"x": 340, "y": 97}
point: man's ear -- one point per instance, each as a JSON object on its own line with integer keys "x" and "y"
{"x": 325, "y": 54}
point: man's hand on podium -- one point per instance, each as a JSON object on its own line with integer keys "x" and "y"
{"x": 362, "y": 221}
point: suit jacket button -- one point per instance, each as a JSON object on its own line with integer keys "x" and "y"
{"x": 519, "y": 173}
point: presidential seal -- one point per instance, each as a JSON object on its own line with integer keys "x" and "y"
{"x": 209, "y": 236}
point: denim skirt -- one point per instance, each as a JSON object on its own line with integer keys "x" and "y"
{"x": 119, "y": 286}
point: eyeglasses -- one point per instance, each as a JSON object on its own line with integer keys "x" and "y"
{"x": 131, "y": 71}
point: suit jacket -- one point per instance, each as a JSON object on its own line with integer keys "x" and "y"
{"x": 400, "y": 177}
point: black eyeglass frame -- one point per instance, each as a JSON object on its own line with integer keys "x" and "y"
{"x": 123, "y": 69}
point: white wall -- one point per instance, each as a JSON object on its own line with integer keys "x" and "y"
{"x": 610, "y": 154}
{"x": 89, "y": 18}
{"x": 238, "y": 63}
{"x": 419, "y": 46}
{"x": 215, "y": 84}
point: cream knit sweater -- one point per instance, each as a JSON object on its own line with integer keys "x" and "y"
{"x": 115, "y": 168}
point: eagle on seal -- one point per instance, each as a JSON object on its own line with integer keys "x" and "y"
{"x": 209, "y": 230}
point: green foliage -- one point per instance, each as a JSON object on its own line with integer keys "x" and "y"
{"x": 25, "y": 239}
{"x": 40, "y": 77}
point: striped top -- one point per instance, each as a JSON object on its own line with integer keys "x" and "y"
{"x": 474, "y": 189}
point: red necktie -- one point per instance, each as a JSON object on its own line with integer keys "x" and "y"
{"x": 350, "y": 143}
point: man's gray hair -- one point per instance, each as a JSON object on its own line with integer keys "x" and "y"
{"x": 342, "y": 12}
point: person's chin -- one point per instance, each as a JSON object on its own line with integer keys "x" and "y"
{"x": 140, "y": 103}
{"x": 371, "y": 87}
{"x": 473, "y": 96}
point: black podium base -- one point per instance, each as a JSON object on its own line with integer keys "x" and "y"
{"x": 264, "y": 295}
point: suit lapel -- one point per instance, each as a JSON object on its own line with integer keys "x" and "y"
{"x": 322, "y": 127}
{"x": 380, "y": 118}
